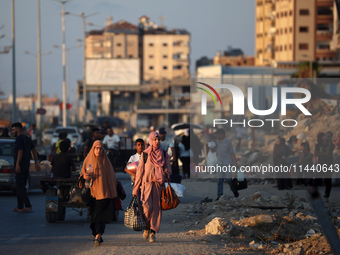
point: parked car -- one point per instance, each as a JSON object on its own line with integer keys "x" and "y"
{"x": 73, "y": 133}
{"x": 47, "y": 135}
{"x": 7, "y": 171}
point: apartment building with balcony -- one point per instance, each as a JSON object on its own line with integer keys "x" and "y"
{"x": 300, "y": 30}
{"x": 264, "y": 32}
{"x": 163, "y": 57}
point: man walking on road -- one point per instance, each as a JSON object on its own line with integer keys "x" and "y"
{"x": 22, "y": 157}
{"x": 112, "y": 143}
{"x": 225, "y": 157}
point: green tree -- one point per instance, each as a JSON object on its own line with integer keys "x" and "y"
{"x": 304, "y": 70}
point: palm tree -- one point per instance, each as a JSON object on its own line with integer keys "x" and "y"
{"x": 304, "y": 70}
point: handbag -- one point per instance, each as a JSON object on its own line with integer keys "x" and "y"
{"x": 120, "y": 191}
{"x": 169, "y": 199}
{"x": 239, "y": 185}
{"x": 80, "y": 195}
{"x": 134, "y": 217}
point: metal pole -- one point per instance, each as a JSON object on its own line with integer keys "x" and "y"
{"x": 14, "y": 109}
{"x": 84, "y": 68}
{"x": 38, "y": 116}
{"x": 67, "y": 76}
{"x": 64, "y": 67}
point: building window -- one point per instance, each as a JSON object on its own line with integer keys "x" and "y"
{"x": 290, "y": 46}
{"x": 304, "y": 12}
{"x": 177, "y": 67}
{"x": 285, "y": 47}
{"x": 151, "y": 67}
{"x": 281, "y": 48}
{"x": 291, "y": 30}
{"x": 290, "y": 13}
{"x": 119, "y": 56}
{"x": 119, "y": 44}
{"x": 286, "y": 30}
{"x": 165, "y": 44}
{"x": 285, "y": 14}
{"x": 165, "y": 56}
{"x": 130, "y": 56}
{"x": 151, "y": 44}
{"x": 303, "y": 29}
{"x": 150, "y": 56}
{"x": 303, "y": 46}
{"x": 165, "y": 68}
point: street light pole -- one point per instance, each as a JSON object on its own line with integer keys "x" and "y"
{"x": 14, "y": 107}
{"x": 38, "y": 115}
{"x": 64, "y": 66}
{"x": 67, "y": 69}
{"x": 84, "y": 67}
{"x": 83, "y": 17}
{"x": 64, "y": 110}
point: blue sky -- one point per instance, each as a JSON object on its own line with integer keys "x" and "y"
{"x": 214, "y": 25}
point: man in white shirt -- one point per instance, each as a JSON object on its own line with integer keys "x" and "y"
{"x": 112, "y": 142}
{"x": 167, "y": 143}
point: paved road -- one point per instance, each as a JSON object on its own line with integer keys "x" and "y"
{"x": 30, "y": 233}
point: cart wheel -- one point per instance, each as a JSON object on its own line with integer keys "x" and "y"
{"x": 51, "y": 217}
{"x": 61, "y": 213}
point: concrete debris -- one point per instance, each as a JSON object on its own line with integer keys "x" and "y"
{"x": 269, "y": 224}
{"x": 255, "y": 196}
{"x": 218, "y": 226}
{"x": 310, "y": 233}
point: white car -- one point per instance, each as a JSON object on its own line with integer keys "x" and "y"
{"x": 73, "y": 134}
{"x": 47, "y": 135}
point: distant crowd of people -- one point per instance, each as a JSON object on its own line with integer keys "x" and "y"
{"x": 297, "y": 151}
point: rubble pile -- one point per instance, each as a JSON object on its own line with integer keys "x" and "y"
{"x": 284, "y": 225}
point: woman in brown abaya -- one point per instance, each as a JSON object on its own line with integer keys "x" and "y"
{"x": 103, "y": 189}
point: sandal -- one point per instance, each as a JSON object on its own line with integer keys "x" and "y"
{"x": 96, "y": 242}
{"x": 25, "y": 210}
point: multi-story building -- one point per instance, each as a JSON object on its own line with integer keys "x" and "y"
{"x": 233, "y": 57}
{"x": 296, "y": 30}
{"x": 264, "y": 32}
{"x": 156, "y": 60}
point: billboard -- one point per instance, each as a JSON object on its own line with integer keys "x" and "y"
{"x": 111, "y": 72}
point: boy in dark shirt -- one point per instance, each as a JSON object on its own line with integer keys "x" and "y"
{"x": 89, "y": 142}
{"x": 62, "y": 163}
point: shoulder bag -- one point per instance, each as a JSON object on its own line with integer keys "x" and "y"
{"x": 169, "y": 199}
{"x": 80, "y": 195}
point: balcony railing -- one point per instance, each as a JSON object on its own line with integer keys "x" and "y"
{"x": 325, "y": 53}
{"x": 324, "y": 19}
{"x": 324, "y": 3}
{"x": 324, "y": 35}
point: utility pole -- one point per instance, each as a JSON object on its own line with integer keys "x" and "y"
{"x": 83, "y": 17}
{"x": 14, "y": 107}
{"x": 64, "y": 66}
{"x": 39, "y": 104}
